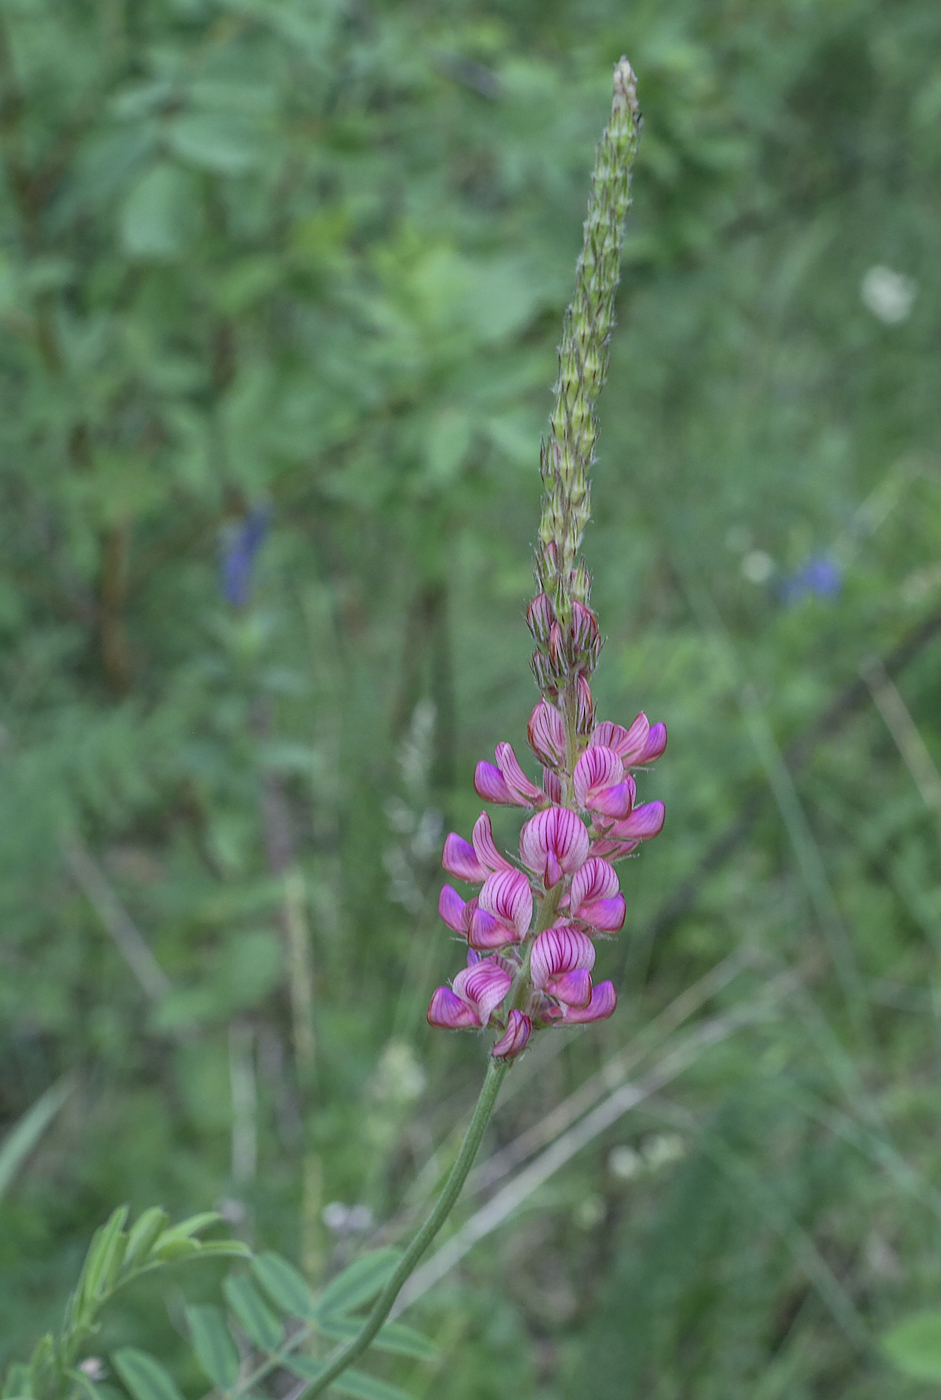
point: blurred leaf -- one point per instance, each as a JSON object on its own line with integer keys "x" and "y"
{"x": 358, "y": 1282}
{"x": 144, "y": 1377}
{"x": 914, "y": 1345}
{"x": 284, "y": 1284}
{"x": 159, "y": 215}
{"x": 213, "y": 1344}
{"x": 223, "y": 144}
{"x": 394, "y": 1336}
{"x": 25, "y": 1134}
{"x": 260, "y": 1324}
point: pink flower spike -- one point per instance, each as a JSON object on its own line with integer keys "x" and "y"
{"x": 460, "y": 858}
{"x": 554, "y": 842}
{"x": 449, "y": 1012}
{"x": 547, "y": 735}
{"x": 508, "y": 897}
{"x": 489, "y": 784}
{"x": 603, "y": 1001}
{"x": 518, "y": 1030}
{"x": 482, "y": 987}
{"x": 522, "y": 791}
{"x": 488, "y": 857}
{"x": 559, "y": 950}
{"x": 453, "y": 910}
{"x": 655, "y": 745}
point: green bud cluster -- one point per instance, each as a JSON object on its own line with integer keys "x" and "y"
{"x": 569, "y": 450}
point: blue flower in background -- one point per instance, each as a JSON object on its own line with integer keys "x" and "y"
{"x": 821, "y": 576}
{"x": 240, "y": 548}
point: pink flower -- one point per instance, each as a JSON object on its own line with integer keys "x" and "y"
{"x": 560, "y": 963}
{"x": 477, "y": 991}
{"x": 507, "y": 782}
{"x": 603, "y": 1001}
{"x": 504, "y": 910}
{"x": 518, "y": 1030}
{"x": 619, "y": 839}
{"x": 474, "y": 862}
{"x": 600, "y": 784}
{"x": 640, "y": 744}
{"x": 454, "y": 911}
{"x": 554, "y": 843}
{"x": 594, "y": 896}
{"x": 547, "y": 735}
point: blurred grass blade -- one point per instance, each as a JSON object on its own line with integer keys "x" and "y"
{"x": 21, "y": 1140}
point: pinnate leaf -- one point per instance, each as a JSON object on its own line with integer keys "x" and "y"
{"x": 358, "y": 1283}
{"x": 285, "y": 1285}
{"x": 260, "y": 1324}
{"x": 215, "y": 1350}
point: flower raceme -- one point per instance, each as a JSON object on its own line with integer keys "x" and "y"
{"x": 530, "y": 927}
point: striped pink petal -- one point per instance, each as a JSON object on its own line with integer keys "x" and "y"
{"x": 483, "y": 987}
{"x": 656, "y": 743}
{"x": 485, "y": 847}
{"x": 644, "y": 822}
{"x": 546, "y": 733}
{"x": 522, "y": 790}
{"x": 627, "y": 743}
{"x": 450, "y": 1012}
{"x": 552, "y": 786}
{"x": 489, "y": 784}
{"x": 598, "y": 768}
{"x": 603, "y": 1001}
{"x": 508, "y": 897}
{"x": 560, "y": 949}
{"x": 460, "y": 858}
{"x": 596, "y": 879}
{"x": 554, "y": 842}
{"x": 487, "y": 933}
{"x": 614, "y": 801}
{"x": 513, "y": 1041}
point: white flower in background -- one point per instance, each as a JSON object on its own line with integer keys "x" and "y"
{"x": 888, "y": 295}
{"x": 757, "y": 566}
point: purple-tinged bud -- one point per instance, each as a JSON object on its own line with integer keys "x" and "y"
{"x": 558, "y": 660}
{"x": 546, "y": 731}
{"x": 489, "y": 784}
{"x": 540, "y": 616}
{"x": 585, "y": 636}
{"x": 552, "y": 843}
{"x": 602, "y": 1004}
{"x": 585, "y": 712}
{"x": 546, "y": 679}
{"x": 513, "y": 1041}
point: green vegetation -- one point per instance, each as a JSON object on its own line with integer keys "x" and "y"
{"x": 280, "y": 289}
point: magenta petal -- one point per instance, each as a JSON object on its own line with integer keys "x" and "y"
{"x": 485, "y": 847}
{"x": 552, "y": 786}
{"x": 518, "y": 784}
{"x": 596, "y": 879}
{"x": 546, "y": 733}
{"x": 614, "y": 801}
{"x": 487, "y": 933}
{"x": 603, "y": 1001}
{"x": 449, "y": 1012}
{"x": 571, "y": 988}
{"x": 484, "y": 986}
{"x": 597, "y": 768}
{"x": 656, "y": 743}
{"x": 518, "y": 1030}
{"x": 606, "y": 915}
{"x": 452, "y": 909}
{"x": 643, "y": 823}
{"x": 489, "y": 784}
{"x": 560, "y": 949}
{"x": 460, "y": 858}
{"x": 507, "y": 895}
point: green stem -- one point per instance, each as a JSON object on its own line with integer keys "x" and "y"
{"x": 445, "y": 1203}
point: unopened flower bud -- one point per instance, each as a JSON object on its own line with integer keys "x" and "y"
{"x": 585, "y": 636}
{"x": 540, "y": 616}
{"x": 518, "y": 1030}
{"x": 585, "y": 715}
{"x": 557, "y": 657}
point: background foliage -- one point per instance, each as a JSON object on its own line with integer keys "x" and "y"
{"x": 280, "y": 288}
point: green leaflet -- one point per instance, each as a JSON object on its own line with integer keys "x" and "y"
{"x": 285, "y": 1285}
{"x": 355, "y": 1383}
{"x": 914, "y": 1345}
{"x": 358, "y": 1283}
{"x": 143, "y": 1376}
{"x": 215, "y": 1350}
{"x": 23, "y": 1137}
{"x": 260, "y": 1324}
{"x": 394, "y": 1336}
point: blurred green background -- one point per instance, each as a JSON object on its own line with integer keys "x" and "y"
{"x": 281, "y": 283}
